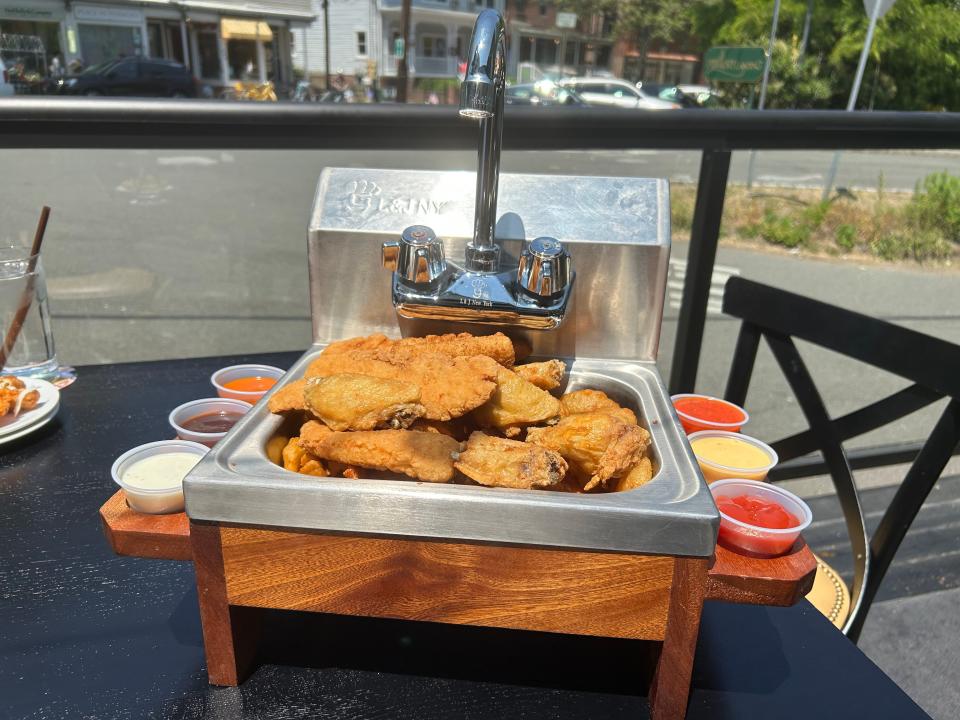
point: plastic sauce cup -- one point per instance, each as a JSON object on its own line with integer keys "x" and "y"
{"x": 693, "y": 423}
{"x": 160, "y": 500}
{"x": 752, "y": 539}
{"x": 235, "y": 372}
{"x": 191, "y": 409}
{"x": 714, "y": 470}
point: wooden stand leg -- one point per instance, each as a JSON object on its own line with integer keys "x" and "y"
{"x": 230, "y": 633}
{"x": 670, "y": 688}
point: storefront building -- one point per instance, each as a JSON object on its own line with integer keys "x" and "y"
{"x": 221, "y": 41}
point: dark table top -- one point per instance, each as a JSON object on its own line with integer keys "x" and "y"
{"x": 86, "y": 634}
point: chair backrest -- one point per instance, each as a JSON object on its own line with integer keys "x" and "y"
{"x": 932, "y": 365}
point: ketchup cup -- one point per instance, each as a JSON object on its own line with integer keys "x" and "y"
{"x": 755, "y": 540}
{"x": 694, "y": 423}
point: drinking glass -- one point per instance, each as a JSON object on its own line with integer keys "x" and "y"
{"x": 33, "y": 353}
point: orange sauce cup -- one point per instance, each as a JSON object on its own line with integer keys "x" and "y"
{"x": 723, "y": 455}
{"x": 705, "y": 412}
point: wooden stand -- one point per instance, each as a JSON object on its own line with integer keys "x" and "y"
{"x": 656, "y": 598}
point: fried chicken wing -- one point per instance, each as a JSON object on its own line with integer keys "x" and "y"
{"x": 289, "y": 397}
{"x": 545, "y": 375}
{"x": 516, "y": 403}
{"x": 449, "y": 386}
{"x": 590, "y": 401}
{"x": 497, "y": 346}
{"x": 599, "y": 444}
{"x": 299, "y": 460}
{"x": 457, "y": 429}
{"x": 348, "y": 401}
{"x": 640, "y": 474}
{"x": 14, "y": 396}
{"x": 497, "y": 462}
{"x": 421, "y": 455}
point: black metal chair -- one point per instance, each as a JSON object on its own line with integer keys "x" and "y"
{"x": 932, "y": 365}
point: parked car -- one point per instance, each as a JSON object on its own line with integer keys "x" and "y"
{"x": 542, "y": 94}
{"x": 611, "y": 92}
{"x": 6, "y": 87}
{"x": 136, "y": 76}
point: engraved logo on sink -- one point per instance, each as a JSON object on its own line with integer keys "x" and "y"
{"x": 366, "y": 198}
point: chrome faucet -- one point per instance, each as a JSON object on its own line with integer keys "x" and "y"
{"x": 535, "y": 293}
{"x": 481, "y": 97}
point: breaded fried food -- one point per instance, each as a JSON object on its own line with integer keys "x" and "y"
{"x": 421, "y": 455}
{"x": 497, "y": 346}
{"x": 640, "y": 474}
{"x": 497, "y": 462}
{"x": 516, "y": 403}
{"x": 14, "y": 396}
{"x": 601, "y": 445}
{"x": 299, "y": 460}
{"x": 449, "y": 386}
{"x": 289, "y": 397}
{"x": 348, "y": 401}
{"x": 457, "y": 429}
{"x": 590, "y": 401}
{"x": 545, "y": 375}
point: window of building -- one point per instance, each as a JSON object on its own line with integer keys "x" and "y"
{"x": 433, "y": 46}
{"x": 208, "y": 53}
{"x": 361, "y": 43}
{"x": 543, "y": 8}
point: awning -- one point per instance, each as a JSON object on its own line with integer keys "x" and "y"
{"x": 237, "y": 29}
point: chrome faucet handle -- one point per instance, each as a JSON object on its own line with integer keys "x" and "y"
{"x": 417, "y": 258}
{"x": 545, "y": 268}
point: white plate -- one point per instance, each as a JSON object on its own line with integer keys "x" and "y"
{"x": 26, "y": 422}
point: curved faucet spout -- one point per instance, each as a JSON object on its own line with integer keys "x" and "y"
{"x": 481, "y": 97}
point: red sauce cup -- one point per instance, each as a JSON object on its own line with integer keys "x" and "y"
{"x": 753, "y": 540}
{"x": 235, "y": 372}
{"x": 695, "y": 423}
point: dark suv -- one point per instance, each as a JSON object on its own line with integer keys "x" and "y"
{"x": 144, "y": 77}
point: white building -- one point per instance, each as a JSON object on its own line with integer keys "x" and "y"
{"x": 364, "y": 34}
{"x": 220, "y": 40}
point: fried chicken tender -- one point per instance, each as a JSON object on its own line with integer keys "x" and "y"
{"x": 497, "y": 462}
{"x": 14, "y": 396}
{"x": 545, "y": 375}
{"x": 449, "y": 386}
{"x": 299, "y": 460}
{"x": 497, "y": 346}
{"x": 590, "y": 401}
{"x": 516, "y": 403}
{"x": 289, "y": 397}
{"x": 361, "y": 402}
{"x": 601, "y": 445}
{"x": 421, "y": 455}
{"x": 639, "y": 474}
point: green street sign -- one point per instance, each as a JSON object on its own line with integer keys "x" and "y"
{"x": 734, "y": 64}
{"x": 398, "y": 48}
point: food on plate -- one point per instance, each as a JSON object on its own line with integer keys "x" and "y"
{"x": 546, "y": 375}
{"x": 450, "y": 386}
{"x": 289, "y": 397}
{"x": 601, "y": 445}
{"x": 255, "y": 383}
{"x": 516, "y": 403}
{"x": 218, "y": 421}
{"x": 14, "y": 396}
{"x": 300, "y": 460}
{"x": 421, "y": 455}
{"x": 498, "y": 462}
{"x": 349, "y": 401}
{"x": 590, "y": 401}
{"x": 497, "y": 346}
{"x": 454, "y": 408}
{"x": 637, "y": 476}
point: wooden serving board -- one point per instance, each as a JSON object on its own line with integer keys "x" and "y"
{"x": 779, "y": 581}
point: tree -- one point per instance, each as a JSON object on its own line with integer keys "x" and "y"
{"x": 639, "y": 21}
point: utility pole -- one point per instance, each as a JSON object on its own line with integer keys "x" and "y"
{"x": 806, "y": 28}
{"x": 763, "y": 84}
{"x": 326, "y": 41}
{"x": 402, "y": 62}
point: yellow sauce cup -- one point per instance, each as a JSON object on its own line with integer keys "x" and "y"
{"x": 723, "y": 455}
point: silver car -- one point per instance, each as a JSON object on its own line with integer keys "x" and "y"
{"x": 610, "y": 92}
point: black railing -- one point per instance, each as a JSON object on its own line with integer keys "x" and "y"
{"x": 157, "y": 124}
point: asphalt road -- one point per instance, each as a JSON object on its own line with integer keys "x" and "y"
{"x": 174, "y": 254}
